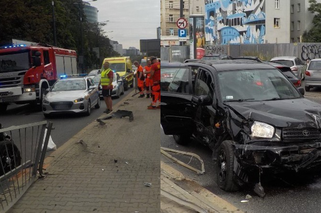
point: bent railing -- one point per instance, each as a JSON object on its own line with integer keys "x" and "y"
{"x": 22, "y": 153}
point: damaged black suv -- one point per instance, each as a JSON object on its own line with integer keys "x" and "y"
{"x": 248, "y": 113}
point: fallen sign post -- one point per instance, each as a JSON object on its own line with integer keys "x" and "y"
{"x": 165, "y": 151}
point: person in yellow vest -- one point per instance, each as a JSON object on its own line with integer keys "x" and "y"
{"x": 106, "y": 82}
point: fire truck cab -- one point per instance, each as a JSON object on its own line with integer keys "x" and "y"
{"x": 27, "y": 71}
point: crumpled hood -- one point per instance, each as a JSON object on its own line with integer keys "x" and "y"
{"x": 281, "y": 113}
{"x": 64, "y": 96}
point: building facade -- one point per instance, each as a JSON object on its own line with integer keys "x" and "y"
{"x": 170, "y": 13}
{"x": 91, "y": 13}
{"x": 240, "y": 21}
{"x": 117, "y": 47}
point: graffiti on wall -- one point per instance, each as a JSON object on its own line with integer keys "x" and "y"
{"x": 214, "y": 49}
{"x": 310, "y": 51}
{"x": 235, "y": 21}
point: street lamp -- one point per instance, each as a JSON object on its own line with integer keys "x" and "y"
{"x": 54, "y": 23}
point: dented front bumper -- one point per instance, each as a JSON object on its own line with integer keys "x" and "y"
{"x": 280, "y": 156}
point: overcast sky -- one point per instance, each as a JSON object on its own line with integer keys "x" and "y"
{"x": 130, "y": 20}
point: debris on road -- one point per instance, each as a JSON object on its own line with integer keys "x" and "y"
{"x": 247, "y": 197}
{"x": 115, "y": 161}
{"x": 244, "y": 201}
{"x": 165, "y": 151}
{"x": 100, "y": 122}
{"x": 82, "y": 143}
{"x": 124, "y": 113}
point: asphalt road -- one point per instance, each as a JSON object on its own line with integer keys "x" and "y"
{"x": 287, "y": 193}
{"x": 65, "y": 126}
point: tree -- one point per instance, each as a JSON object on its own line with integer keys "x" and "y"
{"x": 314, "y": 34}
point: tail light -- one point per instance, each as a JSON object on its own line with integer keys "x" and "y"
{"x": 307, "y": 73}
{"x": 298, "y": 83}
{"x": 294, "y": 68}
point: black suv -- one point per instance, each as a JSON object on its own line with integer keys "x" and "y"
{"x": 248, "y": 113}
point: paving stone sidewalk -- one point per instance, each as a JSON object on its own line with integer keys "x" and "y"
{"x": 103, "y": 168}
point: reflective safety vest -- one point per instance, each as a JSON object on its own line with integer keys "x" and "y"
{"x": 105, "y": 81}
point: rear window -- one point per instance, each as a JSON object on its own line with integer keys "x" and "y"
{"x": 285, "y": 62}
{"x": 315, "y": 65}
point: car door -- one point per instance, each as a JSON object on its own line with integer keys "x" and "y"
{"x": 92, "y": 92}
{"x": 203, "y": 97}
{"x": 177, "y": 110}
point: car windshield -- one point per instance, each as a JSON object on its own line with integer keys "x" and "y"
{"x": 69, "y": 85}
{"x": 288, "y": 63}
{"x": 255, "y": 85}
{"x": 96, "y": 79}
{"x": 315, "y": 65}
{"x": 117, "y": 67}
{"x": 14, "y": 62}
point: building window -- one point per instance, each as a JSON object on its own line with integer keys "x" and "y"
{"x": 299, "y": 7}
{"x": 170, "y": 5}
{"x": 171, "y": 18}
{"x": 197, "y": 8}
{"x": 299, "y": 25}
{"x": 276, "y": 22}
{"x": 292, "y": 40}
{"x": 299, "y": 39}
{"x": 292, "y": 8}
{"x": 277, "y": 4}
{"x": 171, "y": 31}
{"x": 292, "y": 25}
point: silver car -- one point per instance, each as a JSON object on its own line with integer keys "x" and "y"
{"x": 313, "y": 74}
{"x": 71, "y": 95}
{"x": 296, "y": 65}
{"x": 118, "y": 84}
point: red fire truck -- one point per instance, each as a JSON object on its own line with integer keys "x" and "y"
{"x": 27, "y": 71}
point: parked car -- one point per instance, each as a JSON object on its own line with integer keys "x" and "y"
{"x": 251, "y": 127}
{"x": 313, "y": 74}
{"x": 118, "y": 84}
{"x": 94, "y": 72}
{"x": 286, "y": 70}
{"x": 71, "y": 95}
{"x": 296, "y": 65}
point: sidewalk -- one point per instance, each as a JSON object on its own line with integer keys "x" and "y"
{"x": 103, "y": 168}
{"x": 116, "y": 168}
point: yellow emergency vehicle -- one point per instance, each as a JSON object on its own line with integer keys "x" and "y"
{"x": 123, "y": 67}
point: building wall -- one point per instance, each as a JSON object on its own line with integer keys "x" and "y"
{"x": 235, "y": 22}
{"x": 277, "y": 32}
{"x": 91, "y": 13}
{"x": 170, "y": 12}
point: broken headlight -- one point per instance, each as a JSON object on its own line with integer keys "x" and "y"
{"x": 262, "y": 130}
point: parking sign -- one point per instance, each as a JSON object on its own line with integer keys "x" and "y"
{"x": 182, "y": 33}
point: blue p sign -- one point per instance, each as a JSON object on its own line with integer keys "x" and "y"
{"x": 182, "y": 33}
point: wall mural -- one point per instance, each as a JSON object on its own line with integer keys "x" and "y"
{"x": 235, "y": 21}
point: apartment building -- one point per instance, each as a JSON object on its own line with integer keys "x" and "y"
{"x": 170, "y": 13}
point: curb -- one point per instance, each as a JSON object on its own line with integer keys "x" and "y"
{"x": 189, "y": 191}
{"x": 55, "y": 155}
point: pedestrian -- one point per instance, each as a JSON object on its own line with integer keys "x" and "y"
{"x": 148, "y": 81}
{"x": 106, "y": 81}
{"x": 140, "y": 77}
{"x": 155, "y": 76}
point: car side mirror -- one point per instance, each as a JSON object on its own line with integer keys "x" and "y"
{"x": 202, "y": 100}
{"x": 301, "y": 90}
{"x": 92, "y": 87}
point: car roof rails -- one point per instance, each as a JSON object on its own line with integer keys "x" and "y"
{"x": 253, "y": 58}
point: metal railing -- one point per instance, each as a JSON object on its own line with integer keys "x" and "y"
{"x": 22, "y": 153}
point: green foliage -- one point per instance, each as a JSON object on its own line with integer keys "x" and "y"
{"x": 32, "y": 20}
{"x": 261, "y": 56}
{"x": 314, "y": 35}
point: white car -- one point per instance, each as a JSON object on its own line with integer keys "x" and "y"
{"x": 296, "y": 65}
{"x": 71, "y": 95}
{"x": 118, "y": 84}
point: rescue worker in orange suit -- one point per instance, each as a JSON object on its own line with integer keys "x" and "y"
{"x": 106, "y": 81}
{"x": 148, "y": 81}
{"x": 155, "y": 75}
{"x": 141, "y": 78}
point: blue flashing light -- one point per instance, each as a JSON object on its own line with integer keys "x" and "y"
{"x": 63, "y": 76}
{"x": 13, "y": 46}
{"x": 113, "y": 70}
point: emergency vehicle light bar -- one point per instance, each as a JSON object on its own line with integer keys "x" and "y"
{"x": 13, "y": 46}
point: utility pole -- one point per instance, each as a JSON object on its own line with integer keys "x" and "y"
{"x": 54, "y": 23}
{"x": 181, "y": 15}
